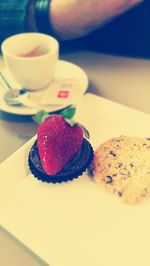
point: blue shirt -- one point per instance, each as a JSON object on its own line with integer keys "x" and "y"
{"x": 12, "y": 17}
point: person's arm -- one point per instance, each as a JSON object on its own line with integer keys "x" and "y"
{"x": 68, "y": 18}
{"x": 76, "y": 18}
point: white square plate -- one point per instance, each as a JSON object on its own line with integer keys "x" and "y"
{"x": 78, "y": 223}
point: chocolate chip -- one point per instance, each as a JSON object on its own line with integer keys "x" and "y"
{"x": 113, "y": 153}
{"x": 118, "y": 165}
{"x": 108, "y": 179}
{"x": 131, "y": 165}
{"x": 119, "y": 193}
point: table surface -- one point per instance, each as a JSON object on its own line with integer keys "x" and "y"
{"x": 123, "y": 80}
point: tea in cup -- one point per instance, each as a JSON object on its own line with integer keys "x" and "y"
{"x": 31, "y": 59}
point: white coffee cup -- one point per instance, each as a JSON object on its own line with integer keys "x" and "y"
{"x": 31, "y": 58}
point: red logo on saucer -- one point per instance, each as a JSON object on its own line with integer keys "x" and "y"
{"x": 63, "y": 94}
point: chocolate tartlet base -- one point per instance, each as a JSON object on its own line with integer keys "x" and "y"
{"x": 73, "y": 169}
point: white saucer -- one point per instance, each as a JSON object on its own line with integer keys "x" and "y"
{"x": 64, "y": 70}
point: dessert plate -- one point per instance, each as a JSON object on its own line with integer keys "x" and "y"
{"x": 78, "y": 223}
{"x": 64, "y": 71}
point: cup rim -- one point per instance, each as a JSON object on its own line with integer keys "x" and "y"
{"x": 7, "y": 53}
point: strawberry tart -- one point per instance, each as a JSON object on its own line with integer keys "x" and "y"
{"x": 60, "y": 153}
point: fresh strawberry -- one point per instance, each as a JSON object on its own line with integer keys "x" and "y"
{"x": 58, "y": 143}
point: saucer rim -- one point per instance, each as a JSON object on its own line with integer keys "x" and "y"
{"x": 25, "y": 111}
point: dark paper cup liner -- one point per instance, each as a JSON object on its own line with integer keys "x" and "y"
{"x": 73, "y": 169}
